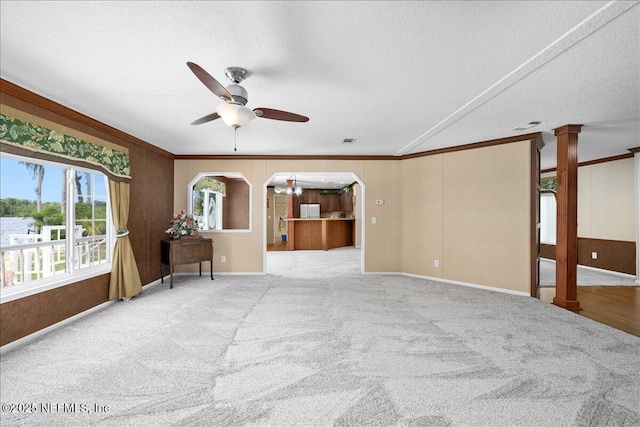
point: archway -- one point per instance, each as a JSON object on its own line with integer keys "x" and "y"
{"x": 313, "y": 180}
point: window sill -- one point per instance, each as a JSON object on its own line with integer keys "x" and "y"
{"x": 15, "y": 292}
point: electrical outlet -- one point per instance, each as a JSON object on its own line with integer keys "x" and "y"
{"x": 594, "y": 255}
{"x": 436, "y": 263}
{"x": 223, "y": 258}
{"x": 379, "y": 202}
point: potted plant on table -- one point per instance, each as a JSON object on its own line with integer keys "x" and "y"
{"x": 183, "y": 225}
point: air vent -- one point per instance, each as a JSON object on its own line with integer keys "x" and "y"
{"x": 348, "y": 140}
{"x": 527, "y": 125}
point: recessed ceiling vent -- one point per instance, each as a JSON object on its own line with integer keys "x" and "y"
{"x": 527, "y": 125}
{"x": 348, "y": 141}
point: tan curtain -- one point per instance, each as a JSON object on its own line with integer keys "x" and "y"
{"x": 125, "y": 280}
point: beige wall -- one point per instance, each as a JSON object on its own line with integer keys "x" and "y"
{"x": 244, "y": 250}
{"x": 470, "y": 210}
{"x": 606, "y": 201}
{"x": 422, "y": 215}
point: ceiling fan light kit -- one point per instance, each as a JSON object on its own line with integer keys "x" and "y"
{"x": 235, "y": 115}
{"x": 233, "y": 112}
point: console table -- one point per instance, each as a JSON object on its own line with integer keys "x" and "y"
{"x": 185, "y": 251}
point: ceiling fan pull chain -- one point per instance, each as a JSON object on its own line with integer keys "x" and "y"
{"x": 235, "y": 138}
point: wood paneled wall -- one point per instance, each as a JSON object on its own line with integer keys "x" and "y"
{"x": 613, "y": 255}
{"x": 151, "y": 208}
{"x": 236, "y": 205}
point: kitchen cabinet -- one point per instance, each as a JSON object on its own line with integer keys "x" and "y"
{"x": 186, "y": 250}
{"x": 310, "y": 196}
{"x": 329, "y": 203}
{"x": 320, "y": 234}
{"x": 346, "y": 201}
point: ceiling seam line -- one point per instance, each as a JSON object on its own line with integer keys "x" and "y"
{"x": 619, "y": 10}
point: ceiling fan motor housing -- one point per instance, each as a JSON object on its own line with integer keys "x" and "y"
{"x": 240, "y": 95}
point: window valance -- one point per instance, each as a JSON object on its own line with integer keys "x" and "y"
{"x": 31, "y": 140}
{"x": 208, "y": 183}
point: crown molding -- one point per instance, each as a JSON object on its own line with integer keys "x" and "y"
{"x": 595, "y": 162}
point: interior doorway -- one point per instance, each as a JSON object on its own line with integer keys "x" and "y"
{"x": 327, "y": 185}
{"x": 279, "y": 224}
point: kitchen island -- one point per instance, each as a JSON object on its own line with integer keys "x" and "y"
{"x": 319, "y": 233}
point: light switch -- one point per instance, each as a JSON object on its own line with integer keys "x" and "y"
{"x": 379, "y": 202}
{"x": 373, "y": 220}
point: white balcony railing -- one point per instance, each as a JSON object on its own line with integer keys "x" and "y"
{"x": 31, "y": 257}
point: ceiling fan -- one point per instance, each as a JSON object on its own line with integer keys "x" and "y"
{"x": 233, "y": 112}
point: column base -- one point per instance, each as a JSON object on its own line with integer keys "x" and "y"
{"x": 569, "y": 305}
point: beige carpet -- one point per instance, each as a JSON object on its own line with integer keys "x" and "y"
{"x": 314, "y": 343}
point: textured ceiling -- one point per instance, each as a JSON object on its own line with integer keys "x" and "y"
{"x": 401, "y": 77}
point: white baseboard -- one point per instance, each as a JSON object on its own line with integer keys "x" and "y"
{"x": 383, "y": 273}
{"x": 232, "y": 273}
{"x": 469, "y": 285}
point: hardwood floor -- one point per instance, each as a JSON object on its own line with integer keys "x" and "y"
{"x": 278, "y": 246}
{"x": 615, "y": 306}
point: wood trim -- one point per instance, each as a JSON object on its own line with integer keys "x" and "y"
{"x": 464, "y": 147}
{"x": 530, "y": 136}
{"x": 42, "y": 102}
{"x": 535, "y": 218}
{"x": 595, "y": 162}
{"x": 635, "y": 150}
{"x": 567, "y": 218}
{"x": 607, "y": 159}
{"x": 277, "y": 157}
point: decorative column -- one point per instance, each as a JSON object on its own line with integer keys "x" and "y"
{"x": 636, "y": 156}
{"x": 290, "y": 224}
{"x": 567, "y": 218}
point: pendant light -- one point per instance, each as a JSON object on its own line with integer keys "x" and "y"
{"x": 295, "y": 189}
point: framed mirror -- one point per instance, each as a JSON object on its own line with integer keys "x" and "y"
{"x": 220, "y": 201}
